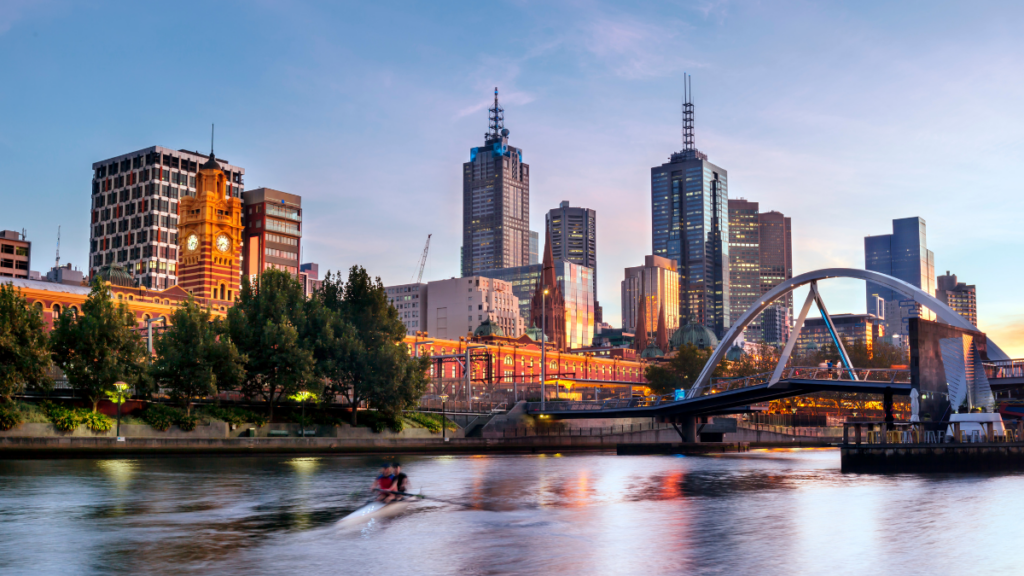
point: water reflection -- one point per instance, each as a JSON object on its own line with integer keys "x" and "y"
{"x": 772, "y": 512}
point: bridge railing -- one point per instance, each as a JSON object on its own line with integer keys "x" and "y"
{"x": 877, "y": 375}
{"x": 1004, "y": 369}
{"x": 943, "y": 432}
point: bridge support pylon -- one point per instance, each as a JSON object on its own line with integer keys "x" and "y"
{"x": 686, "y": 427}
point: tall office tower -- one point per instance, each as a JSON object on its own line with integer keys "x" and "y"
{"x": 962, "y": 298}
{"x": 273, "y": 230}
{"x": 690, "y": 224}
{"x": 135, "y": 210}
{"x": 534, "y": 247}
{"x": 15, "y": 255}
{"x": 904, "y": 254}
{"x": 646, "y": 291}
{"x": 495, "y": 202}
{"x": 574, "y": 239}
{"x": 211, "y": 238}
{"x": 744, "y": 263}
{"x": 775, "y": 253}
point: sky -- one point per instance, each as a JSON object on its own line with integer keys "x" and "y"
{"x": 841, "y": 115}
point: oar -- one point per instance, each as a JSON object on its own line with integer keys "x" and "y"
{"x": 422, "y": 497}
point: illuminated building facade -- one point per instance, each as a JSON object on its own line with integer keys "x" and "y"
{"x": 273, "y": 232}
{"x": 864, "y": 328}
{"x": 458, "y": 306}
{"x": 961, "y": 297}
{"x": 648, "y": 288}
{"x": 574, "y": 239}
{"x": 744, "y": 262}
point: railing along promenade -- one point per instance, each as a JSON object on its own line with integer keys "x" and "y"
{"x": 942, "y": 432}
{"x": 1004, "y": 369}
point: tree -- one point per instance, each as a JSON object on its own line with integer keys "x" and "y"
{"x": 24, "y": 356}
{"x": 97, "y": 347}
{"x": 265, "y": 327}
{"x": 373, "y": 363}
{"x": 681, "y": 370}
{"x": 763, "y": 358}
{"x": 193, "y": 359}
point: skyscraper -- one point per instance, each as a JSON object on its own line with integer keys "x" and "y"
{"x": 273, "y": 231}
{"x": 646, "y": 291}
{"x": 690, "y": 224}
{"x": 904, "y": 254}
{"x": 744, "y": 262}
{"x": 775, "y": 253}
{"x": 574, "y": 239}
{"x": 495, "y": 202}
{"x": 135, "y": 210}
{"x": 961, "y": 297}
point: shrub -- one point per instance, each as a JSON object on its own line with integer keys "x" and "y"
{"x": 187, "y": 423}
{"x": 324, "y": 418}
{"x": 236, "y": 416}
{"x": 64, "y": 419}
{"x": 96, "y": 422}
{"x": 161, "y": 417}
{"x": 10, "y": 416}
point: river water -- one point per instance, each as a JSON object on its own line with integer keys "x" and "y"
{"x": 763, "y": 512}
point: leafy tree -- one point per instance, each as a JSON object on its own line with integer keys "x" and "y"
{"x": 681, "y": 370}
{"x": 24, "y": 356}
{"x": 192, "y": 359}
{"x": 265, "y": 327}
{"x": 371, "y": 362}
{"x": 762, "y": 359}
{"x": 97, "y": 347}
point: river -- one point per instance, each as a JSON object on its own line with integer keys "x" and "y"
{"x": 780, "y": 512}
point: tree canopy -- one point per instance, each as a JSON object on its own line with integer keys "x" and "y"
{"x": 98, "y": 347}
{"x": 24, "y": 353}
{"x": 680, "y": 372}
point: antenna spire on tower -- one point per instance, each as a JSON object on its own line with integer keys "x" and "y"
{"x": 496, "y": 118}
{"x": 212, "y": 126}
{"x": 688, "y": 144}
{"x": 58, "y": 247}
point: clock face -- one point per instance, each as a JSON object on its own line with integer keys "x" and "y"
{"x": 193, "y": 242}
{"x": 223, "y": 243}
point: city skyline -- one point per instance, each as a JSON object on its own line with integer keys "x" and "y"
{"x": 799, "y": 144}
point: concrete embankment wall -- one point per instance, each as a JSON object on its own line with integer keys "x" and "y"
{"x": 881, "y": 458}
{"x": 215, "y": 429}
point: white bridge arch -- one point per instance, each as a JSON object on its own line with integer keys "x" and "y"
{"x": 944, "y": 312}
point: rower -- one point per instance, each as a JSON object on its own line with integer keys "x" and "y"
{"x": 401, "y": 483}
{"x": 383, "y": 484}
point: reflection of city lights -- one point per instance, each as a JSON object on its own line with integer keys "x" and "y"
{"x": 304, "y": 465}
{"x": 120, "y": 471}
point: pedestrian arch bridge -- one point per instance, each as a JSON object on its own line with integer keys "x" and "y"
{"x": 730, "y": 396}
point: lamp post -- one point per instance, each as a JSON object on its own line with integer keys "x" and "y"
{"x": 444, "y": 426}
{"x": 543, "y": 345}
{"x": 118, "y": 396}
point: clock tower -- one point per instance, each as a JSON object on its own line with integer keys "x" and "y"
{"x": 210, "y": 233}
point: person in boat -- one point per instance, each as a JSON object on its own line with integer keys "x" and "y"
{"x": 401, "y": 482}
{"x": 382, "y": 485}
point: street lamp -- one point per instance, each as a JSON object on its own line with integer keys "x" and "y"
{"x": 118, "y": 396}
{"x": 444, "y": 426}
{"x": 543, "y": 345}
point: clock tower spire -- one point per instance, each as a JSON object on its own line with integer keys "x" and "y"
{"x": 210, "y": 232}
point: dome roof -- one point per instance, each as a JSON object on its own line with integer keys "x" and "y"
{"x": 698, "y": 335}
{"x": 534, "y": 333}
{"x": 652, "y": 351}
{"x": 734, "y": 353}
{"x": 488, "y": 328}
{"x": 211, "y": 164}
{"x": 116, "y": 275}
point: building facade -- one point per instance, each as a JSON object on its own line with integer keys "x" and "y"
{"x": 134, "y": 216}
{"x": 456, "y": 307}
{"x": 775, "y": 325}
{"x": 775, "y": 253}
{"x": 411, "y": 302}
{"x": 744, "y": 263}
{"x": 273, "y": 231}
{"x": 495, "y": 202}
{"x": 961, "y": 297}
{"x": 534, "y": 247}
{"x": 690, "y": 224}
{"x": 210, "y": 236}
{"x": 15, "y": 255}
{"x": 309, "y": 276}
{"x": 864, "y": 328}
{"x": 904, "y": 254}
{"x": 645, "y": 291}
{"x": 574, "y": 239}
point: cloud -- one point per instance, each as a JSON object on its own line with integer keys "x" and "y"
{"x": 632, "y": 48}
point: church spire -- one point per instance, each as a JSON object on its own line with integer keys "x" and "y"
{"x": 661, "y": 340}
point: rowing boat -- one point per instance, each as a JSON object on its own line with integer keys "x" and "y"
{"x": 374, "y": 510}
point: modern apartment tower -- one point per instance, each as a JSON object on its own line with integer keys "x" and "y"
{"x": 961, "y": 297}
{"x": 273, "y": 231}
{"x": 574, "y": 239}
{"x": 744, "y": 263}
{"x": 904, "y": 254}
{"x": 690, "y": 224}
{"x": 134, "y": 218}
{"x": 495, "y": 202}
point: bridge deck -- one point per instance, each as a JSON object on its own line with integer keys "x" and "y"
{"x": 725, "y": 402}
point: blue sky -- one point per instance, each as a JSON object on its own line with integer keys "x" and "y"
{"x": 841, "y": 115}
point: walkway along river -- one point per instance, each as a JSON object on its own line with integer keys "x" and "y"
{"x": 761, "y": 512}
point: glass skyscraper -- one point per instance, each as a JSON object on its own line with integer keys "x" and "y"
{"x": 904, "y": 254}
{"x": 690, "y": 224}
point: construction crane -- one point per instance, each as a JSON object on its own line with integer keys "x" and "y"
{"x": 423, "y": 259}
